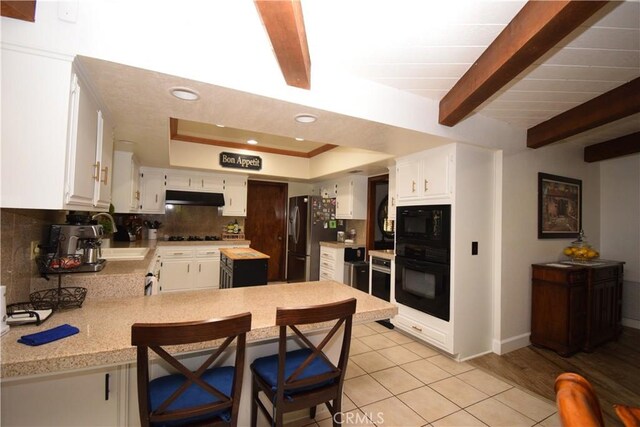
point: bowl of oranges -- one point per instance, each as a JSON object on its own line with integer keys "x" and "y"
{"x": 580, "y": 250}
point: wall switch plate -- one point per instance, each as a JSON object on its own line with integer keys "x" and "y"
{"x": 474, "y": 248}
{"x": 34, "y": 250}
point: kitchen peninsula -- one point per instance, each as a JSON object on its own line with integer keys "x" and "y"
{"x": 104, "y": 341}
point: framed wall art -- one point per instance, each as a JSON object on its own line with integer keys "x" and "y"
{"x": 559, "y": 206}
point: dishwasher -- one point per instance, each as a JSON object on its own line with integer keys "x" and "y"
{"x": 381, "y": 283}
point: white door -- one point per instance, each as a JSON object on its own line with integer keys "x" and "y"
{"x": 208, "y": 273}
{"x": 152, "y": 191}
{"x": 102, "y": 196}
{"x": 176, "y": 275}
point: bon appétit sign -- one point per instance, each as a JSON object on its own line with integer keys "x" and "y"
{"x": 240, "y": 161}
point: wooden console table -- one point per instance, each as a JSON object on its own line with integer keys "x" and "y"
{"x": 576, "y": 307}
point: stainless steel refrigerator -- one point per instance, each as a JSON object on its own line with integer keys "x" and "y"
{"x": 312, "y": 219}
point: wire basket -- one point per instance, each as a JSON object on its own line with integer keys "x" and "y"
{"x": 50, "y": 263}
{"x": 58, "y": 298}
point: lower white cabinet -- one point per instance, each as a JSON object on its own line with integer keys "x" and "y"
{"x": 184, "y": 269}
{"x": 332, "y": 264}
{"x": 96, "y": 397}
{"x": 188, "y": 267}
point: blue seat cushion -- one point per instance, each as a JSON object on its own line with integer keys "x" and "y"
{"x": 161, "y": 388}
{"x": 267, "y": 368}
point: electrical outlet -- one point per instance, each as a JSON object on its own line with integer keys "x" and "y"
{"x": 35, "y": 250}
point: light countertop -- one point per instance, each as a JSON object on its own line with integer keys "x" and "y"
{"x": 243, "y": 253}
{"x": 105, "y": 325}
{"x": 341, "y": 245}
{"x": 384, "y": 253}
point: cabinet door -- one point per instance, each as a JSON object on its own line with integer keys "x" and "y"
{"x": 102, "y": 191}
{"x": 408, "y": 175}
{"x": 208, "y": 273}
{"x": 83, "y": 398}
{"x": 391, "y": 202}
{"x": 179, "y": 181}
{"x": 152, "y": 191}
{"x": 82, "y": 168}
{"x": 210, "y": 183}
{"x": 436, "y": 175}
{"x": 235, "y": 196}
{"x": 134, "y": 203}
{"x": 176, "y": 274}
{"x": 344, "y": 199}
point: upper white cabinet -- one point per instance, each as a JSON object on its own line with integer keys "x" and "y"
{"x": 152, "y": 190}
{"x": 393, "y": 197}
{"x": 58, "y": 127}
{"x": 425, "y": 176}
{"x": 193, "y": 181}
{"x": 126, "y": 182}
{"x": 235, "y": 195}
{"x": 351, "y": 197}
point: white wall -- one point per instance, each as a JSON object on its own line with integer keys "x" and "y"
{"x": 620, "y": 227}
{"x": 520, "y": 244}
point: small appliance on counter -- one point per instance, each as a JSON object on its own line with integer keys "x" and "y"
{"x": 24, "y": 313}
{"x": 72, "y": 248}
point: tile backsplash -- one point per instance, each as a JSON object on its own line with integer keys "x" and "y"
{"x": 19, "y": 227}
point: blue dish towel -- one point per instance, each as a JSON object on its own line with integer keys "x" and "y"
{"x": 49, "y": 335}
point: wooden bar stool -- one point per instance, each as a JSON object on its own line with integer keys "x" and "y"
{"x": 208, "y": 396}
{"x": 304, "y": 378}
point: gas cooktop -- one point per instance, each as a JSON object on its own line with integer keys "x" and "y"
{"x": 193, "y": 238}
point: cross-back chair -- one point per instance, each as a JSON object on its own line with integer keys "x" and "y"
{"x": 303, "y": 378}
{"x": 207, "y": 396}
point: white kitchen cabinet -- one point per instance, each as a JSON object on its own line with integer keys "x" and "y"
{"x": 125, "y": 191}
{"x": 235, "y": 195}
{"x": 470, "y": 181}
{"x": 187, "y": 267}
{"x": 152, "y": 190}
{"x": 331, "y": 263}
{"x": 351, "y": 197}
{"x": 102, "y": 191}
{"x": 425, "y": 176}
{"x": 194, "y": 181}
{"x": 96, "y": 397}
{"x": 391, "y": 202}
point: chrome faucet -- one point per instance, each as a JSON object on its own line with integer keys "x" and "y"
{"x": 113, "y": 223}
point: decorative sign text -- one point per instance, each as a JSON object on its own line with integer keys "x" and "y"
{"x": 240, "y": 161}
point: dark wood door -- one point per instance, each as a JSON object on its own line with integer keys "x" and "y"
{"x": 265, "y": 224}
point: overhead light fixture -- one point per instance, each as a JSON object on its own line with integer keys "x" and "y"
{"x": 219, "y": 125}
{"x": 299, "y": 139}
{"x": 252, "y": 142}
{"x": 185, "y": 94}
{"x": 305, "y": 118}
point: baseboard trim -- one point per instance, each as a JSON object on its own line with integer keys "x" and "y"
{"x": 511, "y": 344}
{"x": 632, "y": 323}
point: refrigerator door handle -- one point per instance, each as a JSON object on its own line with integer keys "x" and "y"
{"x": 296, "y": 214}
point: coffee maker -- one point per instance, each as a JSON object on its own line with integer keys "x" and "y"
{"x": 77, "y": 239}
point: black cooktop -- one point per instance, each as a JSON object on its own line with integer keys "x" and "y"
{"x": 193, "y": 238}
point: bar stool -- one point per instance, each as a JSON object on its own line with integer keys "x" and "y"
{"x": 304, "y": 378}
{"x": 208, "y": 396}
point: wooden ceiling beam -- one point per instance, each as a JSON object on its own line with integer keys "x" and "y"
{"x": 616, "y": 104}
{"x": 285, "y": 26}
{"x": 24, "y": 10}
{"x": 625, "y": 145}
{"x": 538, "y": 27}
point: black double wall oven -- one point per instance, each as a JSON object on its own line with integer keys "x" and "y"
{"x": 423, "y": 249}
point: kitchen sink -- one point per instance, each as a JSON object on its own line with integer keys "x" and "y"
{"x": 124, "y": 254}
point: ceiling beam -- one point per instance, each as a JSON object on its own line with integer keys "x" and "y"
{"x": 538, "y": 27}
{"x": 616, "y": 104}
{"x": 628, "y": 144}
{"x": 23, "y": 9}
{"x": 285, "y": 27}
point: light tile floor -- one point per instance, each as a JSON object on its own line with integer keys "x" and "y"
{"x": 393, "y": 380}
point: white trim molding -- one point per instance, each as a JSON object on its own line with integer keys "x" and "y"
{"x": 511, "y": 344}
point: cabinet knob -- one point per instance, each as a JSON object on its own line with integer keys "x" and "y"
{"x": 426, "y": 185}
{"x": 96, "y": 171}
{"x": 105, "y": 171}
{"x": 413, "y": 186}
{"x": 416, "y": 328}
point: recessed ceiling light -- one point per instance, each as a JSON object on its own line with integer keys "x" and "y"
{"x": 185, "y": 93}
{"x": 219, "y": 125}
{"x": 299, "y": 139}
{"x": 305, "y": 118}
{"x": 252, "y": 142}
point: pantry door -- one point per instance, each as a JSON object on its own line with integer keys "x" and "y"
{"x": 266, "y": 225}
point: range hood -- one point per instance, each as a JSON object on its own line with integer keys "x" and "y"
{"x": 194, "y": 198}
